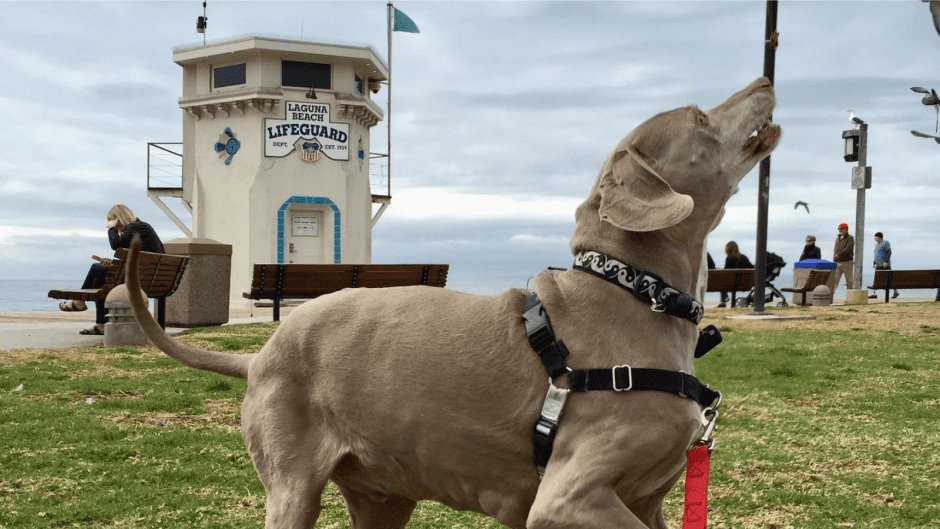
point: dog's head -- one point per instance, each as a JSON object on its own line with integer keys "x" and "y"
{"x": 674, "y": 173}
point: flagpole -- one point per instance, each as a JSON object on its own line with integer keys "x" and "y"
{"x": 389, "y": 106}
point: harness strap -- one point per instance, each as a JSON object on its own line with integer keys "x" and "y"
{"x": 644, "y": 285}
{"x": 553, "y": 353}
{"x": 541, "y": 337}
{"x": 626, "y": 378}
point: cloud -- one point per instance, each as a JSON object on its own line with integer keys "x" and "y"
{"x": 503, "y": 113}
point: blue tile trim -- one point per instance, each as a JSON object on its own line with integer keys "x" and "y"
{"x": 337, "y": 246}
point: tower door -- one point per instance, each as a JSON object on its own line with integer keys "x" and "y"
{"x": 306, "y": 238}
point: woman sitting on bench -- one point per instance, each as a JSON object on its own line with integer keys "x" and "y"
{"x": 122, "y": 225}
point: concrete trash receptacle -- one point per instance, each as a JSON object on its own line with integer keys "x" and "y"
{"x": 202, "y": 299}
{"x": 121, "y": 328}
{"x": 822, "y": 296}
{"x": 801, "y": 270}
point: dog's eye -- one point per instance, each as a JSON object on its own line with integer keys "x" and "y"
{"x": 701, "y": 119}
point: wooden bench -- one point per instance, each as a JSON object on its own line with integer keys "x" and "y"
{"x": 813, "y": 280}
{"x": 905, "y": 279}
{"x": 308, "y": 281}
{"x": 731, "y": 280}
{"x": 160, "y": 276}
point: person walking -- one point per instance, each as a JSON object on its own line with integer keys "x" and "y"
{"x": 882, "y": 259}
{"x": 734, "y": 259}
{"x": 811, "y": 251}
{"x": 844, "y": 255}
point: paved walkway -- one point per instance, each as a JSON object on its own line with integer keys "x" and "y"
{"x": 56, "y": 329}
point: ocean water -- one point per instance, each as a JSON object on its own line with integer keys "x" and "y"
{"x": 29, "y": 295}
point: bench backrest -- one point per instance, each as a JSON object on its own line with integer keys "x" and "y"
{"x": 730, "y": 280}
{"x": 115, "y": 275}
{"x": 160, "y": 273}
{"x": 312, "y": 280}
{"x": 906, "y": 279}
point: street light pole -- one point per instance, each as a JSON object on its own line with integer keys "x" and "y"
{"x": 856, "y": 149}
{"x": 763, "y": 184}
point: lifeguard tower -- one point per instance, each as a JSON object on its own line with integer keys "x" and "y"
{"x": 276, "y": 151}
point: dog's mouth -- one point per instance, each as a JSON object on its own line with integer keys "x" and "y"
{"x": 763, "y": 139}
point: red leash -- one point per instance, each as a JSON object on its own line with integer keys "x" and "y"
{"x": 696, "y": 487}
{"x": 699, "y": 459}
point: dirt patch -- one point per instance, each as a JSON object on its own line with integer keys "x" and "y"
{"x": 917, "y": 319}
{"x": 114, "y": 372}
{"x": 91, "y": 354}
{"x": 219, "y": 413}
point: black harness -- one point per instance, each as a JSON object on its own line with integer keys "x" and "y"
{"x": 553, "y": 352}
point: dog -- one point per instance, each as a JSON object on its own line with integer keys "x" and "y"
{"x": 410, "y": 393}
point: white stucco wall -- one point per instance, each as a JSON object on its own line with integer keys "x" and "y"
{"x": 247, "y": 203}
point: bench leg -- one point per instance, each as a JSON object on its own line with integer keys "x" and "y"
{"x": 887, "y": 295}
{"x": 161, "y": 312}
{"x": 277, "y": 309}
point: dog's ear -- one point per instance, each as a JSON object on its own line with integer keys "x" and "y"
{"x": 635, "y": 198}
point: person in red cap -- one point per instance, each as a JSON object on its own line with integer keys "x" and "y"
{"x": 844, "y": 256}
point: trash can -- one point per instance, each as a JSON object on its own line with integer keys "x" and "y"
{"x": 202, "y": 298}
{"x": 801, "y": 271}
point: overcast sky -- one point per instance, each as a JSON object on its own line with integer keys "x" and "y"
{"x": 503, "y": 113}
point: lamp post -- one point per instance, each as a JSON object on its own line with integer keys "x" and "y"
{"x": 856, "y": 150}
{"x": 763, "y": 183}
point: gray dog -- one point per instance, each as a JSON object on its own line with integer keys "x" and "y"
{"x": 404, "y": 394}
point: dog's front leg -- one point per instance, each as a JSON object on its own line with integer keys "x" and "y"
{"x": 368, "y": 512}
{"x": 568, "y": 498}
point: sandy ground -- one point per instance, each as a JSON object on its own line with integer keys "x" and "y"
{"x": 264, "y": 312}
{"x": 45, "y": 330}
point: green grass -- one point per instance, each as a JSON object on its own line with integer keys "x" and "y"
{"x": 825, "y": 424}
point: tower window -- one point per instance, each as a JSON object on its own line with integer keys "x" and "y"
{"x": 306, "y": 74}
{"x": 229, "y": 75}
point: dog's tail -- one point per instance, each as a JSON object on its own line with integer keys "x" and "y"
{"x": 224, "y": 363}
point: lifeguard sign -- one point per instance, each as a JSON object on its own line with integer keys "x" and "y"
{"x": 306, "y": 128}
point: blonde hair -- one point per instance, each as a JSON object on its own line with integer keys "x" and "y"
{"x": 122, "y": 214}
{"x": 732, "y": 249}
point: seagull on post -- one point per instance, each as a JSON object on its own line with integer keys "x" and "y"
{"x": 855, "y": 119}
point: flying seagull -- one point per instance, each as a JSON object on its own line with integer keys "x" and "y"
{"x": 801, "y": 203}
{"x": 931, "y": 99}
{"x": 935, "y": 12}
{"x": 922, "y": 135}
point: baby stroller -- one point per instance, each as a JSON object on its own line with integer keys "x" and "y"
{"x": 775, "y": 265}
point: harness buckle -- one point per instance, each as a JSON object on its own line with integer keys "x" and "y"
{"x": 613, "y": 376}
{"x": 707, "y": 438}
{"x": 543, "y": 435}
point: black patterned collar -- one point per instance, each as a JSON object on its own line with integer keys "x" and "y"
{"x": 644, "y": 285}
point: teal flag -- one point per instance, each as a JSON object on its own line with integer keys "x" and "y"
{"x": 403, "y": 23}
